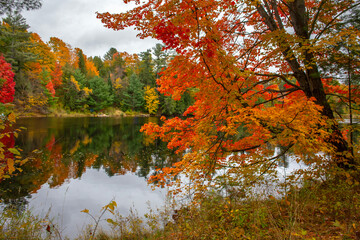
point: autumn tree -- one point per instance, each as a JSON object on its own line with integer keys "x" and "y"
{"x": 91, "y": 69}
{"x": 7, "y": 84}
{"x": 151, "y": 99}
{"x": 99, "y": 64}
{"x": 64, "y": 53}
{"x": 255, "y": 68}
{"x": 116, "y": 67}
{"x": 44, "y": 62}
{"x": 45, "y": 58}
{"x": 56, "y": 76}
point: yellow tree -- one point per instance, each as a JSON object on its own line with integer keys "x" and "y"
{"x": 151, "y": 100}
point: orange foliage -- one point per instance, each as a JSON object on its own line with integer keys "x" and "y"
{"x": 45, "y": 57}
{"x": 131, "y": 60}
{"x": 63, "y": 51}
{"x": 56, "y": 76}
{"x": 91, "y": 68}
{"x": 254, "y": 69}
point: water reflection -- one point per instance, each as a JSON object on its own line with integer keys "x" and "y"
{"x": 70, "y": 151}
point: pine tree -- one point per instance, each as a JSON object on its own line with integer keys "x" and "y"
{"x": 15, "y": 44}
{"x": 10, "y": 6}
{"x": 15, "y": 41}
{"x": 134, "y": 94}
{"x": 146, "y": 73}
{"x": 81, "y": 61}
{"x": 110, "y": 54}
{"x": 100, "y": 96}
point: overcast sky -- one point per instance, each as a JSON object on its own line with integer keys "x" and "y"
{"x": 75, "y": 22}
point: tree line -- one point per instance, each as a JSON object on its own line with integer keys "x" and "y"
{"x": 53, "y": 75}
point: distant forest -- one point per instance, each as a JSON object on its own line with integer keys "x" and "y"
{"x": 54, "y": 76}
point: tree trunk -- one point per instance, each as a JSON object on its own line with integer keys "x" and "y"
{"x": 309, "y": 80}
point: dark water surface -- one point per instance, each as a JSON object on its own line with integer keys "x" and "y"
{"x": 85, "y": 163}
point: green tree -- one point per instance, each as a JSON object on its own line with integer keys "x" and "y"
{"x": 81, "y": 61}
{"x": 133, "y": 96}
{"x": 99, "y": 64}
{"x": 15, "y": 40}
{"x": 146, "y": 73}
{"x": 343, "y": 63}
{"x": 161, "y": 57}
{"x": 109, "y": 54}
{"x": 10, "y": 6}
{"x": 14, "y": 44}
{"x": 168, "y": 105}
{"x": 73, "y": 97}
{"x": 100, "y": 97}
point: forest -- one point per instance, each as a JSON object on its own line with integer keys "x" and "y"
{"x": 54, "y": 77}
{"x": 243, "y": 88}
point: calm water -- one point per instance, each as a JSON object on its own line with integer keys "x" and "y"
{"x": 85, "y": 163}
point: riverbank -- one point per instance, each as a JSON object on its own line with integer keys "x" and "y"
{"x": 327, "y": 210}
{"x": 63, "y": 113}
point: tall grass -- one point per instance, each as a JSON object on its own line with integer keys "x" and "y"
{"x": 15, "y": 224}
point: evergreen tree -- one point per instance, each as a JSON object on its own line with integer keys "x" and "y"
{"x": 81, "y": 61}
{"x": 99, "y": 64}
{"x": 168, "y": 105}
{"x": 146, "y": 73}
{"x": 133, "y": 97}
{"x": 15, "y": 41}
{"x": 14, "y": 44}
{"x": 161, "y": 57}
{"x": 101, "y": 96}
{"x": 73, "y": 96}
{"x": 343, "y": 65}
{"x": 109, "y": 54}
{"x": 10, "y": 6}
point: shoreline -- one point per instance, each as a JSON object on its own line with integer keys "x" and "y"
{"x": 60, "y": 115}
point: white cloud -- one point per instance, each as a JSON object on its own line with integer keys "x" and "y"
{"x": 75, "y": 22}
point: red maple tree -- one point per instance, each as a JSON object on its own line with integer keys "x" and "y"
{"x": 7, "y": 84}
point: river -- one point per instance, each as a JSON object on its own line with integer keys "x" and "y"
{"x": 79, "y": 163}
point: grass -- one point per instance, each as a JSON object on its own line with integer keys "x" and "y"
{"x": 27, "y": 226}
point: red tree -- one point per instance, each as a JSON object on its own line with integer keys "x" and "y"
{"x": 7, "y": 84}
{"x": 56, "y": 76}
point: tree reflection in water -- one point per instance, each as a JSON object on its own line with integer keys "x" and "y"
{"x": 67, "y": 147}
